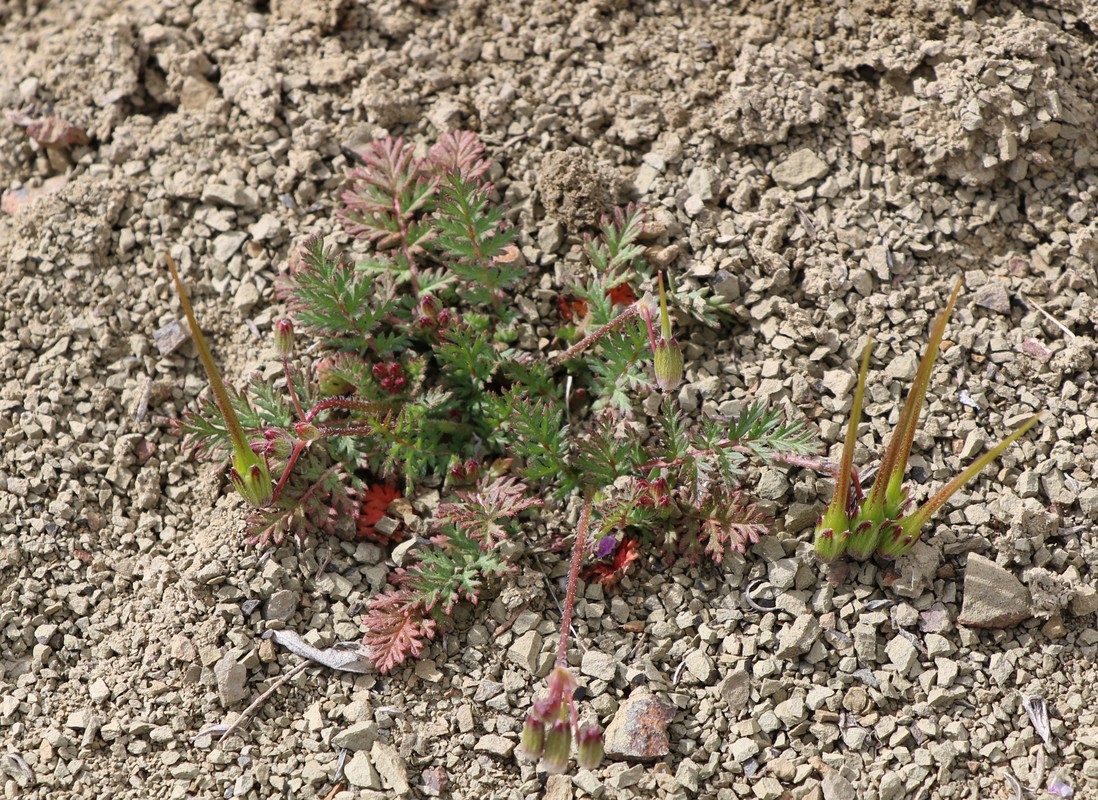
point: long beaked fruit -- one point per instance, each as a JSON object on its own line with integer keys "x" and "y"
{"x": 250, "y": 475}
{"x": 899, "y": 536}
{"x": 833, "y": 528}
{"x": 888, "y": 495}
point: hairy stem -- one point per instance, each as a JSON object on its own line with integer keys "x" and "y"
{"x": 578, "y": 549}
{"x": 596, "y": 335}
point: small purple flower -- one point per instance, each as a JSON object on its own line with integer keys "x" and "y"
{"x": 605, "y": 546}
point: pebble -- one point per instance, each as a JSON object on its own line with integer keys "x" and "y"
{"x": 98, "y": 691}
{"x": 686, "y": 776}
{"x": 390, "y": 766}
{"x": 700, "y": 665}
{"x": 359, "y": 771}
{"x": 837, "y": 787}
{"x": 558, "y": 787}
{"x": 526, "y": 650}
{"x": 231, "y": 681}
{"x": 596, "y": 664}
{"x": 902, "y": 654}
{"x": 638, "y": 730}
{"x": 839, "y": 382}
{"x": 281, "y": 605}
{"x": 360, "y": 736}
{"x": 993, "y": 597}
{"x": 495, "y": 745}
{"x": 735, "y": 690}
{"x": 993, "y": 296}
{"x": 237, "y": 196}
{"x": 226, "y": 244}
{"x": 798, "y": 637}
{"x": 799, "y": 168}
{"x": 903, "y": 367}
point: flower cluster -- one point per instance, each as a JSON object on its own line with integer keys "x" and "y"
{"x": 553, "y": 723}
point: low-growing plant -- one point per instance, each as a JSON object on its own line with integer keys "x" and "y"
{"x": 856, "y": 525}
{"x": 420, "y": 378}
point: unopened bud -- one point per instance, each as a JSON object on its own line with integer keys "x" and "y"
{"x": 589, "y": 752}
{"x": 307, "y": 432}
{"x": 533, "y": 738}
{"x": 284, "y": 337}
{"x": 558, "y": 747}
{"x": 668, "y": 364}
{"x": 252, "y": 480}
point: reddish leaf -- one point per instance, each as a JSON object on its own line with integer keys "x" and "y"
{"x": 610, "y": 573}
{"x": 375, "y": 502}
{"x": 395, "y": 629}
{"x": 622, "y": 295}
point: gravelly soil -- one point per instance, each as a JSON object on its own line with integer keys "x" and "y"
{"x": 834, "y": 167}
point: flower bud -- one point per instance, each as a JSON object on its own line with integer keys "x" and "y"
{"x": 533, "y": 738}
{"x": 589, "y": 752}
{"x": 668, "y": 364}
{"x": 558, "y": 747}
{"x": 279, "y": 444}
{"x": 252, "y": 480}
{"x": 307, "y": 432}
{"x": 284, "y": 337}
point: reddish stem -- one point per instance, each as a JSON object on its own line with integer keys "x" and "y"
{"x": 591, "y": 338}
{"x": 578, "y": 549}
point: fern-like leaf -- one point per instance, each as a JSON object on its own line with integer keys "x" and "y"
{"x": 396, "y": 628}
{"x": 482, "y": 514}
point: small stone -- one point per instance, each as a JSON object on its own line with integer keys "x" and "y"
{"x": 558, "y": 787}
{"x": 735, "y": 690}
{"x": 226, "y": 244}
{"x": 390, "y": 766}
{"x": 700, "y": 665}
{"x": 170, "y": 337}
{"x": 993, "y": 296}
{"x": 525, "y": 651}
{"x": 551, "y": 237}
{"x": 797, "y": 638}
{"x": 247, "y": 295}
{"x": 638, "y": 730}
{"x": 686, "y": 775}
{"x": 1085, "y": 601}
{"x": 495, "y": 745}
{"x": 902, "y": 654}
{"x": 744, "y": 748}
{"x": 602, "y": 666}
{"x": 856, "y": 700}
{"x": 98, "y": 691}
{"x": 892, "y": 786}
{"x": 993, "y": 597}
{"x": 836, "y": 787}
{"x": 281, "y": 605}
{"x": 694, "y": 205}
{"x": 231, "y": 681}
{"x": 783, "y": 572}
{"x": 938, "y": 645}
{"x": 799, "y": 168}
{"x": 360, "y": 736}
{"x": 236, "y": 196}
{"x": 903, "y": 367}
{"x": 767, "y": 788}
{"x": 359, "y": 771}
{"x": 792, "y": 711}
{"x": 268, "y": 227}
{"x": 839, "y": 382}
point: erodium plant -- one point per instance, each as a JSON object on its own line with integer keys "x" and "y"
{"x": 420, "y": 377}
{"x": 859, "y": 526}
